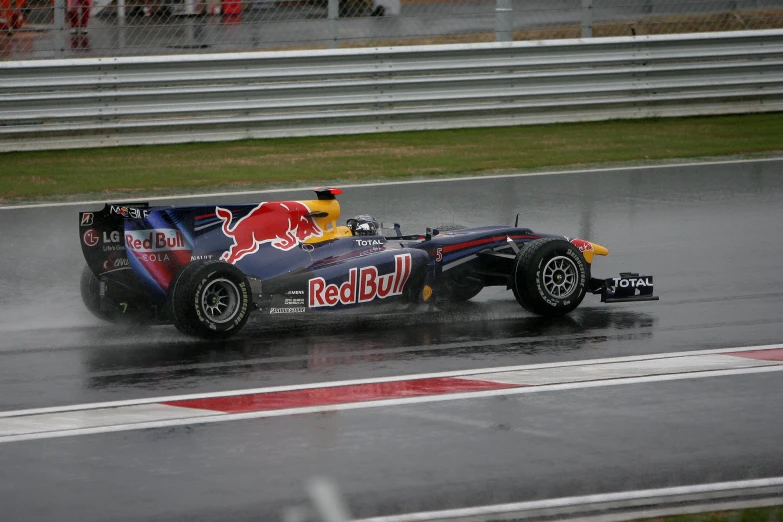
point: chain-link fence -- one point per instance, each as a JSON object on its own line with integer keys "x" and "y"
{"x": 32, "y": 29}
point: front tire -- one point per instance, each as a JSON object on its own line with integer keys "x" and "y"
{"x": 550, "y": 277}
{"x": 209, "y": 299}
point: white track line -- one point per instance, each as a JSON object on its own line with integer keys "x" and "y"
{"x": 199, "y": 418}
{"x": 516, "y": 507}
{"x": 376, "y": 380}
{"x": 389, "y": 183}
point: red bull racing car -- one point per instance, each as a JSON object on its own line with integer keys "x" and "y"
{"x": 206, "y": 268}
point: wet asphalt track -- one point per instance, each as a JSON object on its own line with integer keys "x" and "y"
{"x": 711, "y": 235}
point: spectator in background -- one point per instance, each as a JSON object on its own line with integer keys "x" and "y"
{"x": 78, "y": 15}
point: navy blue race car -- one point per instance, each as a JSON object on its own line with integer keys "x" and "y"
{"x": 206, "y": 268}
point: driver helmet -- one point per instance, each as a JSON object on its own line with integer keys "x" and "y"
{"x": 363, "y": 226}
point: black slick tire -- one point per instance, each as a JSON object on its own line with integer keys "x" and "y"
{"x": 90, "y": 288}
{"x": 209, "y": 299}
{"x": 550, "y": 277}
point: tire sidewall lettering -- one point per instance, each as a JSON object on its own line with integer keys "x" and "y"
{"x": 197, "y": 302}
{"x": 542, "y": 292}
{"x": 243, "y": 308}
{"x": 578, "y": 260}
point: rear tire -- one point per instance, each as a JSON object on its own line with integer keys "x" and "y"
{"x": 209, "y": 299}
{"x": 550, "y": 277}
{"x": 90, "y": 288}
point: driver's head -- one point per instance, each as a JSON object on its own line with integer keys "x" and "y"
{"x": 363, "y": 226}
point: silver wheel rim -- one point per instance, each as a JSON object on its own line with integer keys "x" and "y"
{"x": 559, "y": 277}
{"x": 220, "y": 300}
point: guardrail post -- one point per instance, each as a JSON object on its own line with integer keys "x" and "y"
{"x": 59, "y": 28}
{"x": 334, "y": 29}
{"x": 328, "y": 504}
{"x": 120, "y": 13}
{"x": 504, "y": 21}
{"x": 120, "y": 25}
{"x": 327, "y": 500}
{"x": 587, "y": 18}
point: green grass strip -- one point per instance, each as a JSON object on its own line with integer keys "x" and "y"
{"x": 124, "y": 171}
{"x": 770, "y": 514}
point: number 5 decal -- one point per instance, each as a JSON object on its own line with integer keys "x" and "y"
{"x": 439, "y": 254}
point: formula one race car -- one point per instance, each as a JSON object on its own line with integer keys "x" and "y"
{"x": 205, "y": 268}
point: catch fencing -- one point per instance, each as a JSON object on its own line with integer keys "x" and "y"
{"x": 46, "y": 29}
{"x": 147, "y": 100}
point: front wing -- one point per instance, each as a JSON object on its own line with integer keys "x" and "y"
{"x": 629, "y": 286}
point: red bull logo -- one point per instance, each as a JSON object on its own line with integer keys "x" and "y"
{"x": 363, "y": 285}
{"x": 582, "y": 245}
{"x": 158, "y": 245}
{"x": 160, "y": 251}
{"x": 283, "y": 224}
{"x": 155, "y": 240}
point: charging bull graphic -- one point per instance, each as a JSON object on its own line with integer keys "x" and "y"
{"x": 284, "y": 224}
{"x": 582, "y": 245}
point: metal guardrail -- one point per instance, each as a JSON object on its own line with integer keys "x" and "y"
{"x": 628, "y": 505}
{"x": 329, "y": 506}
{"x": 75, "y": 103}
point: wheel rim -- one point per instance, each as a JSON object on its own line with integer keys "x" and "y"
{"x": 559, "y": 277}
{"x": 220, "y": 300}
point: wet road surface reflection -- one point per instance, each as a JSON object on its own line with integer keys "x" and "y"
{"x": 369, "y": 341}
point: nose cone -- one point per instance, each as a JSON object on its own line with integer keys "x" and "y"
{"x": 597, "y": 249}
{"x": 601, "y": 251}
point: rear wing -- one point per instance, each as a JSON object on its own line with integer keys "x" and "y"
{"x": 146, "y": 246}
{"x": 102, "y": 235}
{"x": 137, "y": 246}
